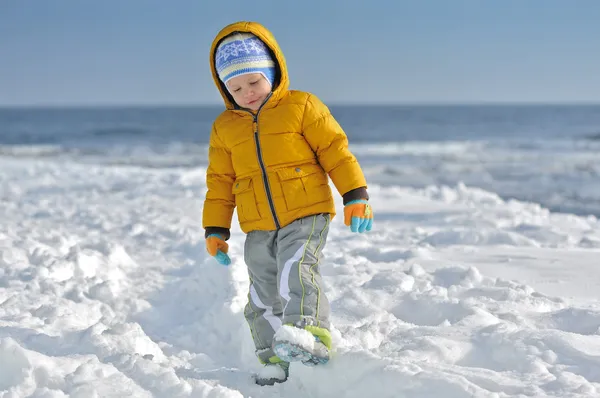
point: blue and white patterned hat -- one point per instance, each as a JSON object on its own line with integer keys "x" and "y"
{"x": 243, "y": 53}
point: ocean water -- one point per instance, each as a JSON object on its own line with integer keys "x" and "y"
{"x": 547, "y": 154}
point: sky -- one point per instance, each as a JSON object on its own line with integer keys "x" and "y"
{"x": 83, "y": 52}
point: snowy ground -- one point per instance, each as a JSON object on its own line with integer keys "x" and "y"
{"x": 106, "y": 291}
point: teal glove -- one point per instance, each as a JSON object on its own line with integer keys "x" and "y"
{"x": 217, "y": 247}
{"x": 358, "y": 215}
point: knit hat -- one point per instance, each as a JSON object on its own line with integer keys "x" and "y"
{"x": 243, "y": 53}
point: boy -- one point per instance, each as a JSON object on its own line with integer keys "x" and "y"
{"x": 270, "y": 153}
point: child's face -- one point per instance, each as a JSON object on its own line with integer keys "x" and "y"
{"x": 249, "y": 91}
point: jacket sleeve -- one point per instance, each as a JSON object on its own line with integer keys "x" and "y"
{"x": 330, "y": 143}
{"x": 220, "y": 201}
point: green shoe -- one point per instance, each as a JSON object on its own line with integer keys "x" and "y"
{"x": 293, "y": 344}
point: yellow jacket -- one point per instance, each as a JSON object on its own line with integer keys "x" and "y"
{"x": 272, "y": 165}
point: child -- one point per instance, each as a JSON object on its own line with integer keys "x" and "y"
{"x": 271, "y": 152}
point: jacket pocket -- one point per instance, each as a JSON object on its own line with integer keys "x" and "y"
{"x": 245, "y": 200}
{"x": 303, "y": 185}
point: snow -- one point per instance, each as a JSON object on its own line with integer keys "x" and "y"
{"x": 106, "y": 290}
{"x": 299, "y": 336}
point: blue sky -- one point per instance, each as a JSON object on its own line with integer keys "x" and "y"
{"x": 82, "y": 52}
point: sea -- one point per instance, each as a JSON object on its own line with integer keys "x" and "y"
{"x": 546, "y": 154}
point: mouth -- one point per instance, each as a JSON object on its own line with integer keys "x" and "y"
{"x": 252, "y": 102}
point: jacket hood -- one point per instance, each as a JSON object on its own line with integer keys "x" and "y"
{"x": 281, "y": 84}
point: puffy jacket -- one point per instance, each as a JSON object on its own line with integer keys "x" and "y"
{"x": 273, "y": 164}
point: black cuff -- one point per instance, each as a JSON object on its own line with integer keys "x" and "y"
{"x": 356, "y": 194}
{"x": 217, "y": 230}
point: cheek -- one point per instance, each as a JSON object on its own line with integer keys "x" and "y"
{"x": 265, "y": 87}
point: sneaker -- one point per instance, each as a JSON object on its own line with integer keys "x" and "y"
{"x": 273, "y": 373}
{"x": 293, "y": 344}
{"x": 320, "y": 359}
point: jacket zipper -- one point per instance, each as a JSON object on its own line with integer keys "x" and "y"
{"x": 263, "y": 168}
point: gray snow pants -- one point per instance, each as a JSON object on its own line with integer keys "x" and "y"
{"x": 285, "y": 280}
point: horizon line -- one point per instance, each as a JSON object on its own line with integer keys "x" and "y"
{"x": 328, "y": 103}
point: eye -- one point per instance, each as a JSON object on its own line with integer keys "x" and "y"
{"x": 236, "y": 90}
{"x": 254, "y": 82}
